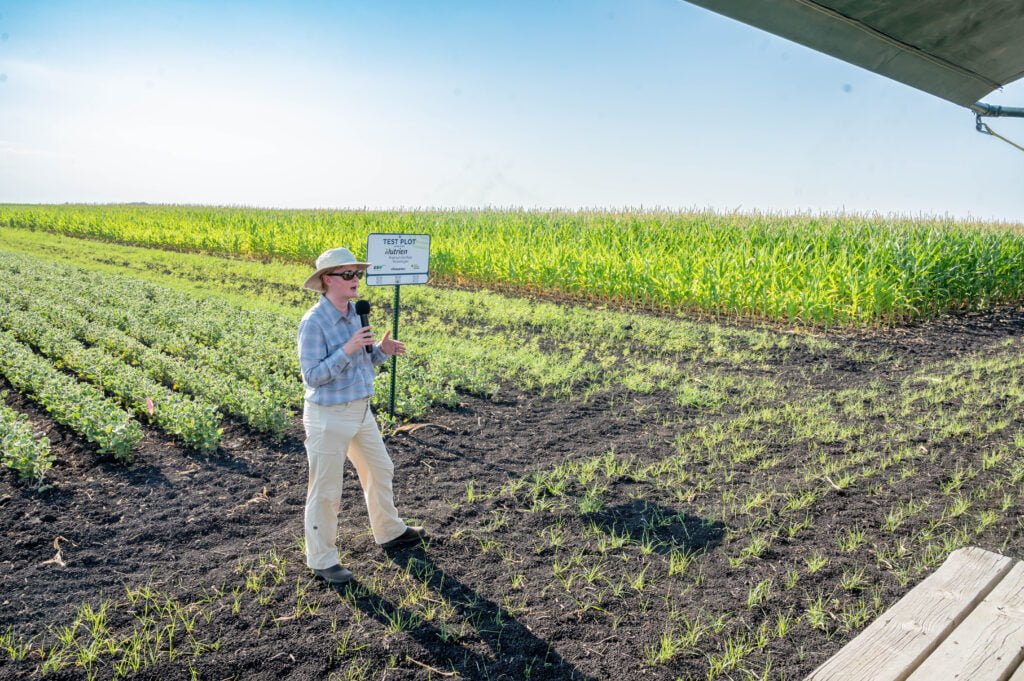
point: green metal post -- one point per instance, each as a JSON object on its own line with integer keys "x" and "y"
{"x": 394, "y": 358}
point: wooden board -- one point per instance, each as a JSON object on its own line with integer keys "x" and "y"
{"x": 896, "y": 643}
{"x": 989, "y": 644}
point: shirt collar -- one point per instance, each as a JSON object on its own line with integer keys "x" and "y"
{"x": 333, "y": 314}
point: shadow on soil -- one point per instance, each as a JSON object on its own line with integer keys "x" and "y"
{"x": 515, "y": 652}
{"x": 668, "y": 529}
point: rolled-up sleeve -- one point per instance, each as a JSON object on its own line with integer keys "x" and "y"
{"x": 319, "y": 367}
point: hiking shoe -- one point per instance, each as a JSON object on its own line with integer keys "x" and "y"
{"x": 335, "y": 575}
{"x": 411, "y": 536}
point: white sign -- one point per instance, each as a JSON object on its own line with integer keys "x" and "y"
{"x": 397, "y": 259}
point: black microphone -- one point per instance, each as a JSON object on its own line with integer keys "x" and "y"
{"x": 363, "y": 310}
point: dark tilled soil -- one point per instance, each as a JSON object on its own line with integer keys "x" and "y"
{"x": 182, "y": 524}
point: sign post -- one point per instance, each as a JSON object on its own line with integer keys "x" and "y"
{"x": 397, "y": 259}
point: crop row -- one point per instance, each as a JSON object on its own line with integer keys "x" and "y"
{"x": 259, "y": 409}
{"x": 254, "y": 348}
{"x": 258, "y": 348}
{"x": 194, "y": 421}
{"x": 247, "y": 345}
{"x": 825, "y": 270}
{"x": 150, "y": 345}
{"x": 28, "y": 456}
{"x": 82, "y": 407}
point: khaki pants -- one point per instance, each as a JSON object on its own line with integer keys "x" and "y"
{"x": 333, "y": 433}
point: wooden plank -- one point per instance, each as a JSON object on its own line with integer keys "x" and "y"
{"x": 989, "y": 644}
{"x": 1019, "y": 675}
{"x": 893, "y": 646}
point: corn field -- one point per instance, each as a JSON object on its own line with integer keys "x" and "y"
{"x": 838, "y": 270}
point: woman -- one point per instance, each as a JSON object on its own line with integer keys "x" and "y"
{"x": 337, "y": 372}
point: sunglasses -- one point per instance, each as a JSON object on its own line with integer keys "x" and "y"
{"x": 347, "y": 275}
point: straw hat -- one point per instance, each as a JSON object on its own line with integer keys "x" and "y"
{"x": 328, "y": 260}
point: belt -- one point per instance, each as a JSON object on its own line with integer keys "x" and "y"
{"x": 364, "y": 400}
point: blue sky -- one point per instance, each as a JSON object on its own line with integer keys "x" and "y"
{"x": 597, "y": 104}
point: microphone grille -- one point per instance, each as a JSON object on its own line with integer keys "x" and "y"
{"x": 362, "y": 307}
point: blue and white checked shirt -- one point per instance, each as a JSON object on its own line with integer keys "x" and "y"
{"x": 329, "y": 375}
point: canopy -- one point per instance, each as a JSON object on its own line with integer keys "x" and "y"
{"x": 959, "y": 50}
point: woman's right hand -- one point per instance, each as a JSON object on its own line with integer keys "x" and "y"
{"x": 359, "y": 340}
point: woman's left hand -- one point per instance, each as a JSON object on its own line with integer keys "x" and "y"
{"x": 389, "y": 346}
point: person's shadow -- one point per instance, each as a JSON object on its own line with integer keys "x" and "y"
{"x": 665, "y": 528}
{"x": 516, "y": 653}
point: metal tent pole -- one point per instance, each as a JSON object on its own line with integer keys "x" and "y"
{"x": 983, "y": 109}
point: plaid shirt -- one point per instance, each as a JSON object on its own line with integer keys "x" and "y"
{"x": 328, "y": 374}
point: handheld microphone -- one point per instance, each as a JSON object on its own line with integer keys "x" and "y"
{"x": 363, "y": 310}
